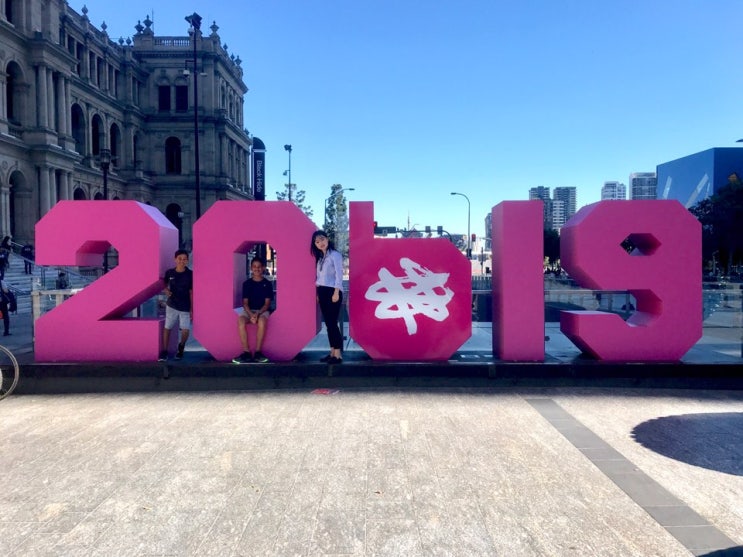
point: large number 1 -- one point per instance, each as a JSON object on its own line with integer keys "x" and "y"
{"x": 91, "y": 326}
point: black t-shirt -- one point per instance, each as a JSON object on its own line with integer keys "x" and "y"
{"x": 256, "y": 291}
{"x": 180, "y": 286}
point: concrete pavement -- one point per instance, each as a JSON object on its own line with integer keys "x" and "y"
{"x": 336, "y": 463}
{"x": 378, "y": 472}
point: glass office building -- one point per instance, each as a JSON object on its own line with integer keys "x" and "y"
{"x": 695, "y": 177}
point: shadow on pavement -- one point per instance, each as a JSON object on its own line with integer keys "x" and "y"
{"x": 729, "y": 552}
{"x": 713, "y": 441}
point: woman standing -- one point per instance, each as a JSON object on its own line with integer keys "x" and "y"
{"x": 329, "y": 283}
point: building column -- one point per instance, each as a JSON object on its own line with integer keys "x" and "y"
{"x": 61, "y": 106}
{"x": 5, "y": 209}
{"x": 42, "y": 116}
{"x": 51, "y": 122}
{"x": 3, "y": 99}
{"x": 44, "y": 193}
{"x": 55, "y": 180}
{"x": 66, "y": 110}
{"x": 84, "y": 62}
{"x": 223, "y": 162}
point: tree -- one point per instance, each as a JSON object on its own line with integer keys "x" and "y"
{"x": 552, "y": 249}
{"x": 295, "y": 196}
{"x": 721, "y": 216}
{"x": 336, "y": 218}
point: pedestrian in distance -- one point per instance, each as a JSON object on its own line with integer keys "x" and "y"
{"x": 7, "y": 304}
{"x": 329, "y": 291}
{"x": 178, "y": 289}
{"x": 61, "y": 283}
{"x": 257, "y": 294}
{"x": 5, "y": 248}
{"x": 28, "y": 253}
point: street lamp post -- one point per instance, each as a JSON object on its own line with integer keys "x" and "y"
{"x": 195, "y": 20}
{"x": 104, "y": 159}
{"x": 469, "y": 238}
{"x": 288, "y": 148}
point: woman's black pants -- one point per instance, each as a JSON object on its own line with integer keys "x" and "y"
{"x": 330, "y": 312}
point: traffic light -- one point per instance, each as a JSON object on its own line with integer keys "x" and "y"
{"x": 428, "y": 229}
{"x": 439, "y": 230}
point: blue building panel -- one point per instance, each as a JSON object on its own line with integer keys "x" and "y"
{"x": 695, "y": 177}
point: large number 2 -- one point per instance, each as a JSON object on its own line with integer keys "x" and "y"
{"x": 91, "y": 326}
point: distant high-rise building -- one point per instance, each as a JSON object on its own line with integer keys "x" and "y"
{"x": 557, "y": 209}
{"x": 543, "y": 193}
{"x": 563, "y": 206}
{"x": 613, "y": 190}
{"x": 540, "y": 192}
{"x": 558, "y": 214}
{"x": 643, "y": 185}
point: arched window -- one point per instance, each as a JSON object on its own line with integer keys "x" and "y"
{"x": 136, "y": 155}
{"x": 115, "y": 144}
{"x": 174, "y": 214}
{"x": 78, "y": 128}
{"x": 172, "y": 155}
{"x": 79, "y": 195}
{"x": 97, "y": 135}
{"x": 14, "y": 93}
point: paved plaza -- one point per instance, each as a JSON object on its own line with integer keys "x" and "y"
{"x": 373, "y": 472}
{"x": 343, "y": 464}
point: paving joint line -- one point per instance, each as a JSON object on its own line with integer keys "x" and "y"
{"x": 692, "y": 530}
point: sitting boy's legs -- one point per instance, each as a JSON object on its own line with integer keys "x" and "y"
{"x": 259, "y": 336}
{"x": 242, "y": 321}
{"x": 246, "y": 355}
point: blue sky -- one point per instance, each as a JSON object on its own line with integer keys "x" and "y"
{"x": 409, "y": 100}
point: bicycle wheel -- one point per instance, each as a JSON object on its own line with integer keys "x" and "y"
{"x": 8, "y": 372}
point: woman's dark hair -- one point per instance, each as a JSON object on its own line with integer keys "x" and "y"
{"x": 313, "y": 249}
{"x": 6, "y": 242}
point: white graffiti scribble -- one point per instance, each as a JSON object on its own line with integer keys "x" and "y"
{"x": 420, "y": 291}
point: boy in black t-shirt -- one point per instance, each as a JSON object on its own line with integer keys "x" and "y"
{"x": 257, "y": 296}
{"x": 179, "y": 307}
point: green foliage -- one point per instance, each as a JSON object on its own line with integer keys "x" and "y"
{"x": 721, "y": 216}
{"x": 336, "y": 218}
{"x": 552, "y": 249}
{"x": 296, "y": 196}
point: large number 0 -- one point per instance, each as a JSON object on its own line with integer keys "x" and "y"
{"x": 91, "y": 326}
{"x": 222, "y": 237}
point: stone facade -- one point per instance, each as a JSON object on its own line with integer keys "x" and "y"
{"x": 68, "y": 93}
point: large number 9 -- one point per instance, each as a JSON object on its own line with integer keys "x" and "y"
{"x": 90, "y": 326}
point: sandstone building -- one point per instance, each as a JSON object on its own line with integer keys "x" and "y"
{"x": 71, "y": 96}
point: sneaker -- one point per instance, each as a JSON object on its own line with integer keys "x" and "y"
{"x": 334, "y": 360}
{"x": 260, "y": 358}
{"x": 326, "y": 359}
{"x": 163, "y": 357}
{"x": 181, "y": 349}
{"x": 244, "y": 358}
